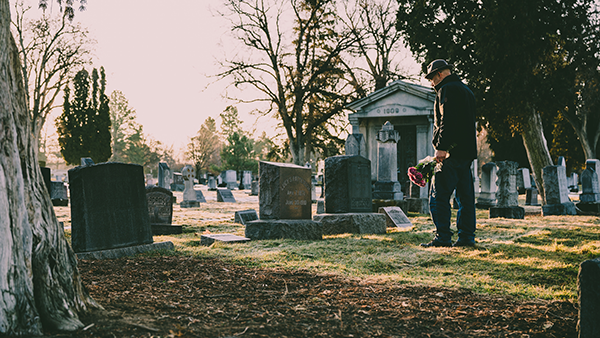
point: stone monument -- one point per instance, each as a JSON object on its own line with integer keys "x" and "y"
{"x": 588, "y": 289}
{"x": 246, "y": 180}
{"x": 284, "y": 204}
{"x": 59, "y": 194}
{"x": 189, "y": 194}
{"x": 160, "y": 211}
{"x": 212, "y": 183}
{"x": 387, "y": 186}
{"x": 507, "y": 205}
{"x": 487, "y": 196}
{"x": 355, "y": 143}
{"x": 109, "y": 211}
{"x": 231, "y": 179}
{"x": 523, "y": 180}
{"x": 177, "y": 182}
{"x": 555, "y": 189}
{"x": 348, "y": 201}
{"x": 590, "y": 186}
{"x": 164, "y": 176}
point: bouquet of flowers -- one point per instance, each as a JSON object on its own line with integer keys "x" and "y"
{"x": 423, "y": 171}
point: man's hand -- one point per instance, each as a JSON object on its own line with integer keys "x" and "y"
{"x": 440, "y": 155}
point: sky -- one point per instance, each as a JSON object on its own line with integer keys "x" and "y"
{"x": 164, "y": 58}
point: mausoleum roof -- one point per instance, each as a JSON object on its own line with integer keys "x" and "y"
{"x": 422, "y": 92}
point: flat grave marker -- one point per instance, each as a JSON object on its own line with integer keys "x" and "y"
{"x": 225, "y": 195}
{"x": 245, "y": 216}
{"x": 396, "y": 217}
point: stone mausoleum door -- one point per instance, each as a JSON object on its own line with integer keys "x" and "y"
{"x": 407, "y": 151}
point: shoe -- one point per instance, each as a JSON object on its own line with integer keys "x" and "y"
{"x": 435, "y": 243}
{"x": 461, "y": 243}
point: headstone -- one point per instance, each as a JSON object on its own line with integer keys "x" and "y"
{"x": 46, "y": 174}
{"x": 189, "y": 194}
{"x": 487, "y": 196}
{"x": 347, "y": 184}
{"x": 254, "y": 190}
{"x": 555, "y": 189}
{"x": 245, "y": 216}
{"x": 231, "y": 179}
{"x": 85, "y": 161}
{"x": 356, "y": 145}
{"x": 108, "y": 207}
{"x": 395, "y": 217}
{"x": 562, "y": 162}
{"x": 59, "y": 194}
{"x": 320, "y": 207}
{"x": 588, "y": 289}
{"x": 284, "y": 191}
{"x": 209, "y": 239}
{"x": 507, "y": 205}
{"x": 219, "y": 180}
{"x": 178, "y": 183}
{"x": 212, "y": 183}
{"x": 199, "y": 196}
{"x": 246, "y": 179}
{"x": 531, "y": 197}
{"x": 225, "y": 195}
{"x": 590, "y": 187}
{"x": 523, "y": 180}
{"x": 160, "y": 211}
{"x": 149, "y": 180}
{"x": 164, "y": 175}
{"x": 573, "y": 183}
{"x": 387, "y": 186}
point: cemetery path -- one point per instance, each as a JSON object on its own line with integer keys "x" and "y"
{"x": 196, "y": 297}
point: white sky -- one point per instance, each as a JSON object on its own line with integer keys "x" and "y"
{"x": 161, "y": 56}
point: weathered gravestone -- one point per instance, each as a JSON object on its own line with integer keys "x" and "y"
{"x": 164, "y": 175}
{"x": 246, "y": 180}
{"x": 590, "y": 186}
{"x": 284, "y": 204}
{"x": 109, "y": 210}
{"x": 199, "y": 196}
{"x": 212, "y": 183}
{"x": 254, "y": 190}
{"x": 225, "y": 195}
{"x": 348, "y": 201}
{"x": 395, "y": 217}
{"x": 149, "y": 180}
{"x": 531, "y": 197}
{"x": 418, "y": 201}
{"x": 178, "y": 182}
{"x": 245, "y": 216}
{"x": 387, "y": 186}
{"x": 160, "y": 211}
{"x": 58, "y": 194}
{"x": 231, "y": 179}
{"x": 487, "y": 196}
{"x": 555, "y": 190}
{"x": 189, "y": 194}
{"x": 588, "y": 289}
{"x": 507, "y": 205}
{"x": 523, "y": 181}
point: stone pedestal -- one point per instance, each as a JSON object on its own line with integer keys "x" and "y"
{"x": 352, "y": 223}
{"x": 300, "y": 229}
{"x": 588, "y": 289}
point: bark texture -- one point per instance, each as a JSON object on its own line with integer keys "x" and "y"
{"x": 40, "y": 286}
{"x": 537, "y": 150}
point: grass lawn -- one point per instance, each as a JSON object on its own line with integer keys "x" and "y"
{"x": 537, "y": 257}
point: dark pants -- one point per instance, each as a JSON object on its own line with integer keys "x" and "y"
{"x": 456, "y": 175}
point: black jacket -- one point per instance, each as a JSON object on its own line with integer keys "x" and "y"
{"x": 454, "y": 120}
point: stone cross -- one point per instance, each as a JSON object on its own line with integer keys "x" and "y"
{"x": 189, "y": 173}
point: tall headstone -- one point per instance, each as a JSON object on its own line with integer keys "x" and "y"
{"x": 285, "y": 207}
{"x": 160, "y": 211}
{"x": 588, "y": 289}
{"x": 189, "y": 194}
{"x": 487, "y": 196}
{"x": 387, "y": 186}
{"x": 507, "y": 205}
{"x": 108, "y": 207}
{"x": 212, "y": 183}
{"x": 555, "y": 189}
{"x": 523, "y": 180}
{"x": 590, "y": 187}
{"x": 164, "y": 175}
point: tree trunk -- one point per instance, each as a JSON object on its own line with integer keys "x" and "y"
{"x": 537, "y": 150}
{"x": 40, "y": 286}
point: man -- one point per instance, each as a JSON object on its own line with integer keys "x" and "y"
{"x": 455, "y": 144}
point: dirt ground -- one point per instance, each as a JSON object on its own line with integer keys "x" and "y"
{"x": 193, "y": 297}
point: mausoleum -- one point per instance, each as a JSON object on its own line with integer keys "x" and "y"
{"x": 409, "y": 108}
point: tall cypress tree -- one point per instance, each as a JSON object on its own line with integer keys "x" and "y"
{"x": 84, "y": 125}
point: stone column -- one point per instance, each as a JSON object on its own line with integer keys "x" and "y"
{"x": 387, "y": 185}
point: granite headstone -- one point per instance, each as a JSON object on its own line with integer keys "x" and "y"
{"x": 160, "y": 211}
{"x": 507, "y": 205}
{"x": 284, "y": 191}
{"x": 347, "y": 184}
{"x": 556, "y": 192}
